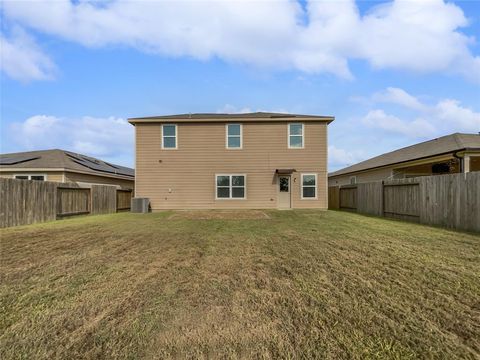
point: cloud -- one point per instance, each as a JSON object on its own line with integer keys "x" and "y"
{"x": 417, "y": 127}
{"x": 338, "y": 157}
{"x": 108, "y": 138}
{"x": 399, "y": 97}
{"x": 323, "y": 36}
{"x": 231, "y": 109}
{"x": 427, "y": 120}
{"x": 22, "y": 59}
{"x": 449, "y": 112}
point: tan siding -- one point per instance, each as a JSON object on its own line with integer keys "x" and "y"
{"x": 185, "y": 178}
{"x": 56, "y": 176}
{"x": 475, "y": 163}
{"x": 94, "y": 179}
{"x": 368, "y": 176}
{"x": 386, "y": 173}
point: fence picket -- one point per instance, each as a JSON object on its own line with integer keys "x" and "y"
{"x": 25, "y": 202}
{"x": 451, "y": 201}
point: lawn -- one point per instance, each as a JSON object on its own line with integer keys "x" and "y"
{"x": 285, "y": 284}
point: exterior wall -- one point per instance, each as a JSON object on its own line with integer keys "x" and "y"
{"x": 56, "y": 176}
{"x": 185, "y": 178}
{"x": 398, "y": 173}
{"x": 94, "y": 179}
{"x": 475, "y": 163}
{"x": 367, "y": 176}
{"x": 60, "y": 176}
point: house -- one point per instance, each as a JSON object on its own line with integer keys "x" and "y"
{"x": 227, "y": 161}
{"x": 449, "y": 154}
{"x": 64, "y": 166}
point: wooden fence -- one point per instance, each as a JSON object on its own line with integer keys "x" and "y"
{"x": 124, "y": 199}
{"x": 25, "y": 202}
{"x": 452, "y": 200}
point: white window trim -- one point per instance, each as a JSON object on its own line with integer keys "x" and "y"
{"x": 176, "y": 137}
{"x": 45, "y": 178}
{"x": 302, "y": 186}
{"x": 230, "y": 187}
{"x": 227, "y": 136}
{"x": 354, "y": 178}
{"x": 303, "y": 136}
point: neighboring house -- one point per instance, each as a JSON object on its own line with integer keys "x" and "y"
{"x": 219, "y": 161}
{"x": 449, "y": 154}
{"x": 64, "y": 166}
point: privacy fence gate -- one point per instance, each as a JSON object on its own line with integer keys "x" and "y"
{"x": 452, "y": 200}
{"x": 25, "y": 201}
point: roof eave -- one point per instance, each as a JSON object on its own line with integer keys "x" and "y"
{"x": 327, "y": 119}
{"x": 341, "y": 173}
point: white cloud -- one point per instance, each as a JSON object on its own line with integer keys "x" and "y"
{"x": 399, "y": 97}
{"x": 22, "y": 59}
{"x": 231, "y": 109}
{"x": 427, "y": 120}
{"x": 451, "y": 113}
{"x": 108, "y": 138}
{"x": 420, "y": 36}
{"x": 418, "y": 127}
{"x": 338, "y": 157}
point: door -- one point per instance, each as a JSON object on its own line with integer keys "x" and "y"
{"x": 284, "y": 191}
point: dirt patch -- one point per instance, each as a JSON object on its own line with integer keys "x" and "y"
{"x": 219, "y": 215}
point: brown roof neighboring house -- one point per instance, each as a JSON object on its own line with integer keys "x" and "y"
{"x": 452, "y": 147}
{"x": 65, "y": 166}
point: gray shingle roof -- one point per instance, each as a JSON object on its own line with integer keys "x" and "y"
{"x": 442, "y": 145}
{"x": 61, "y": 159}
{"x": 254, "y": 116}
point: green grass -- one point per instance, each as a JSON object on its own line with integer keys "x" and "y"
{"x": 307, "y": 284}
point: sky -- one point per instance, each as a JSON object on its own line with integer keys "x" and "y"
{"x": 393, "y": 73}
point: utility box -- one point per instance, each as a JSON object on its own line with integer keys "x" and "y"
{"x": 140, "y": 205}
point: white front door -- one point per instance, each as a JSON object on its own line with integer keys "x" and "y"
{"x": 284, "y": 192}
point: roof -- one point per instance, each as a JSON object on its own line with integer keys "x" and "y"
{"x": 65, "y": 160}
{"x": 215, "y": 117}
{"x": 442, "y": 145}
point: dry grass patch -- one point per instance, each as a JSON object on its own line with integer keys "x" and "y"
{"x": 219, "y": 215}
{"x": 302, "y": 284}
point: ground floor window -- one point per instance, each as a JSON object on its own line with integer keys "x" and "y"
{"x": 309, "y": 186}
{"x": 31, "y": 177}
{"x": 230, "y": 186}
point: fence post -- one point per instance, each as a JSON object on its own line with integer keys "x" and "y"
{"x": 382, "y": 189}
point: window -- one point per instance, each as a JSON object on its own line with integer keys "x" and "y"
{"x": 234, "y": 136}
{"x": 295, "y": 136}
{"x": 309, "y": 186}
{"x": 169, "y": 136}
{"x": 31, "y": 177}
{"x": 230, "y": 186}
{"x": 353, "y": 180}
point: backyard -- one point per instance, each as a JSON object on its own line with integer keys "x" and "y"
{"x": 238, "y": 284}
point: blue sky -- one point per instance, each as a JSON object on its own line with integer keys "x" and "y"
{"x": 392, "y": 73}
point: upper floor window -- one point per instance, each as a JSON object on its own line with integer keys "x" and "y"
{"x": 234, "y": 136}
{"x": 295, "y": 136}
{"x": 353, "y": 180}
{"x": 169, "y": 136}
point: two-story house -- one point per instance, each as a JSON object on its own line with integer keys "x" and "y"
{"x": 232, "y": 161}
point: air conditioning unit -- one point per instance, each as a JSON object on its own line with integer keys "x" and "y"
{"x": 140, "y": 205}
